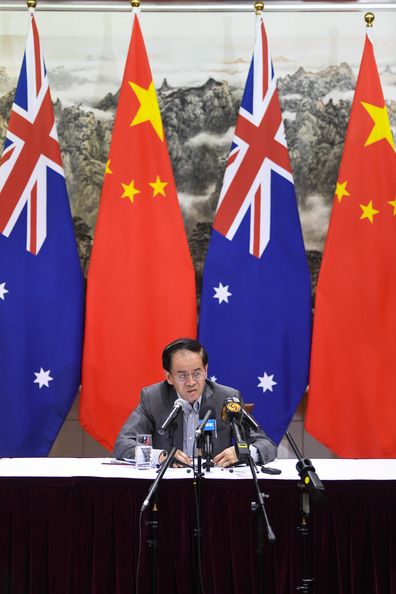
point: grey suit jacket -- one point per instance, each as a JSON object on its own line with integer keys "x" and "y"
{"x": 156, "y": 402}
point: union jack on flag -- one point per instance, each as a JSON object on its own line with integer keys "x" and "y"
{"x": 255, "y": 318}
{"x": 259, "y": 147}
{"x": 23, "y": 166}
{"x": 41, "y": 282}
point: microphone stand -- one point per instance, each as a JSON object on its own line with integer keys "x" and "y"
{"x": 154, "y": 485}
{"x": 260, "y": 514}
{"x": 153, "y": 523}
{"x": 197, "y": 484}
{"x": 311, "y": 487}
{"x": 203, "y": 444}
{"x": 208, "y": 450}
{"x": 257, "y": 507}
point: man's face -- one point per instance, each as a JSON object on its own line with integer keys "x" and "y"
{"x": 187, "y": 374}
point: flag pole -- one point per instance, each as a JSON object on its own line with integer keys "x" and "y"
{"x": 258, "y": 8}
{"x": 221, "y": 6}
{"x": 369, "y": 18}
{"x": 135, "y": 6}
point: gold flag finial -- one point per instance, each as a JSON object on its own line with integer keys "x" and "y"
{"x": 135, "y": 3}
{"x": 369, "y": 18}
{"x": 259, "y": 7}
{"x": 31, "y": 3}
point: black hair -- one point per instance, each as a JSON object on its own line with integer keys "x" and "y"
{"x": 185, "y": 344}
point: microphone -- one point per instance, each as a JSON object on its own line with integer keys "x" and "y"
{"x": 241, "y": 446}
{"x": 209, "y": 413}
{"x": 204, "y": 435}
{"x": 233, "y": 406}
{"x": 178, "y": 406}
{"x": 232, "y": 409}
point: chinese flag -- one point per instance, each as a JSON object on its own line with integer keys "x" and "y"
{"x": 141, "y": 283}
{"x": 352, "y": 394}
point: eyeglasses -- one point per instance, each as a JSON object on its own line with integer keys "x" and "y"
{"x": 183, "y": 377}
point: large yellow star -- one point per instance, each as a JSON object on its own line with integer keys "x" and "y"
{"x": 130, "y": 191}
{"x": 341, "y": 191}
{"x": 393, "y": 203}
{"x": 149, "y": 109}
{"x": 108, "y": 170}
{"x": 368, "y": 211}
{"x": 158, "y": 186}
{"x": 381, "y": 129}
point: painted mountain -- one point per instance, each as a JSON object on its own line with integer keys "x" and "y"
{"x": 199, "y": 123}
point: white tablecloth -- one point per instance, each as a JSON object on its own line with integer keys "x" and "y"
{"x": 327, "y": 469}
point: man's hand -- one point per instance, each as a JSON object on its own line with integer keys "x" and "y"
{"x": 182, "y": 457}
{"x": 226, "y": 457}
{"x": 179, "y": 455}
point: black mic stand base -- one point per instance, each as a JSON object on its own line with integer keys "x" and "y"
{"x": 152, "y": 542}
{"x": 152, "y": 524}
{"x": 311, "y": 489}
{"x": 208, "y": 464}
{"x": 197, "y": 486}
{"x": 304, "y": 530}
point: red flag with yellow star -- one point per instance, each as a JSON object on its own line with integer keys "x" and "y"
{"x": 141, "y": 282}
{"x": 352, "y": 393}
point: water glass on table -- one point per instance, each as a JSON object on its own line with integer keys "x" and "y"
{"x": 143, "y": 451}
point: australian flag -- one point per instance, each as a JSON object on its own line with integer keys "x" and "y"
{"x": 41, "y": 282}
{"x": 255, "y": 318}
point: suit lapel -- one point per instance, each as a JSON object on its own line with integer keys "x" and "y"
{"x": 207, "y": 395}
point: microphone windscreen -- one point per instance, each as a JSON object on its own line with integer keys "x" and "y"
{"x": 177, "y": 407}
{"x": 232, "y": 406}
{"x": 180, "y": 401}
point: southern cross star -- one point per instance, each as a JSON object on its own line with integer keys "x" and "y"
{"x": 3, "y": 291}
{"x": 43, "y": 378}
{"x": 222, "y": 293}
{"x": 266, "y": 382}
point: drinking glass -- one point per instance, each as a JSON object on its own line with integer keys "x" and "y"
{"x": 143, "y": 451}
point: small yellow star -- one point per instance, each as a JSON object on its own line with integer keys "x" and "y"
{"x": 149, "y": 110}
{"x": 108, "y": 170}
{"x": 158, "y": 186}
{"x": 368, "y": 211}
{"x": 393, "y": 203}
{"x": 381, "y": 129}
{"x": 341, "y": 190}
{"x": 130, "y": 191}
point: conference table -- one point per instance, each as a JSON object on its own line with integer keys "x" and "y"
{"x": 73, "y": 526}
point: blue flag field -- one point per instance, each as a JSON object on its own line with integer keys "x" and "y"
{"x": 255, "y": 318}
{"x": 41, "y": 281}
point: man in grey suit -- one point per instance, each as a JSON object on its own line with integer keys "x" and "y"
{"x": 185, "y": 363}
